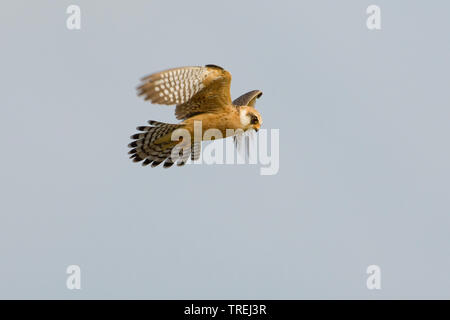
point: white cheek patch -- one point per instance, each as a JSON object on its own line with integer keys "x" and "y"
{"x": 245, "y": 119}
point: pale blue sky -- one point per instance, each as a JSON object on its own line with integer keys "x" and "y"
{"x": 364, "y": 157}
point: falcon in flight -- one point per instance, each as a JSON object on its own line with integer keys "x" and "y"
{"x": 200, "y": 94}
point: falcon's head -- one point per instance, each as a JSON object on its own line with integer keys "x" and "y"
{"x": 250, "y": 118}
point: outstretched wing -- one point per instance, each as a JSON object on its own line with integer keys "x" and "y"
{"x": 248, "y": 99}
{"x": 193, "y": 89}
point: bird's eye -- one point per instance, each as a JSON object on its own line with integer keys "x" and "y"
{"x": 254, "y": 120}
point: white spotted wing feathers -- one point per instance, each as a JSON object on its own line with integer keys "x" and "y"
{"x": 193, "y": 89}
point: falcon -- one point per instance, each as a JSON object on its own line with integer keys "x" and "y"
{"x": 200, "y": 94}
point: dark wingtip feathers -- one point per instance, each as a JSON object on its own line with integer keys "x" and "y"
{"x": 214, "y": 66}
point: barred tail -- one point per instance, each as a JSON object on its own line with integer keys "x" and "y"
{"x": 154, "y": 145}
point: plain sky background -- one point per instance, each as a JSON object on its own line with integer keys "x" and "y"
{"x": 364, "y": 152}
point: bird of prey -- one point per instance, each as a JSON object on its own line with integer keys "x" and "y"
{"x": 200, "y": 94}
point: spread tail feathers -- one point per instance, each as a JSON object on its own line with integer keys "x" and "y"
{"x": 154, "y": 145}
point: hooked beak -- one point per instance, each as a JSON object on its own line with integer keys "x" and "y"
{"x": 256, "y": 129}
